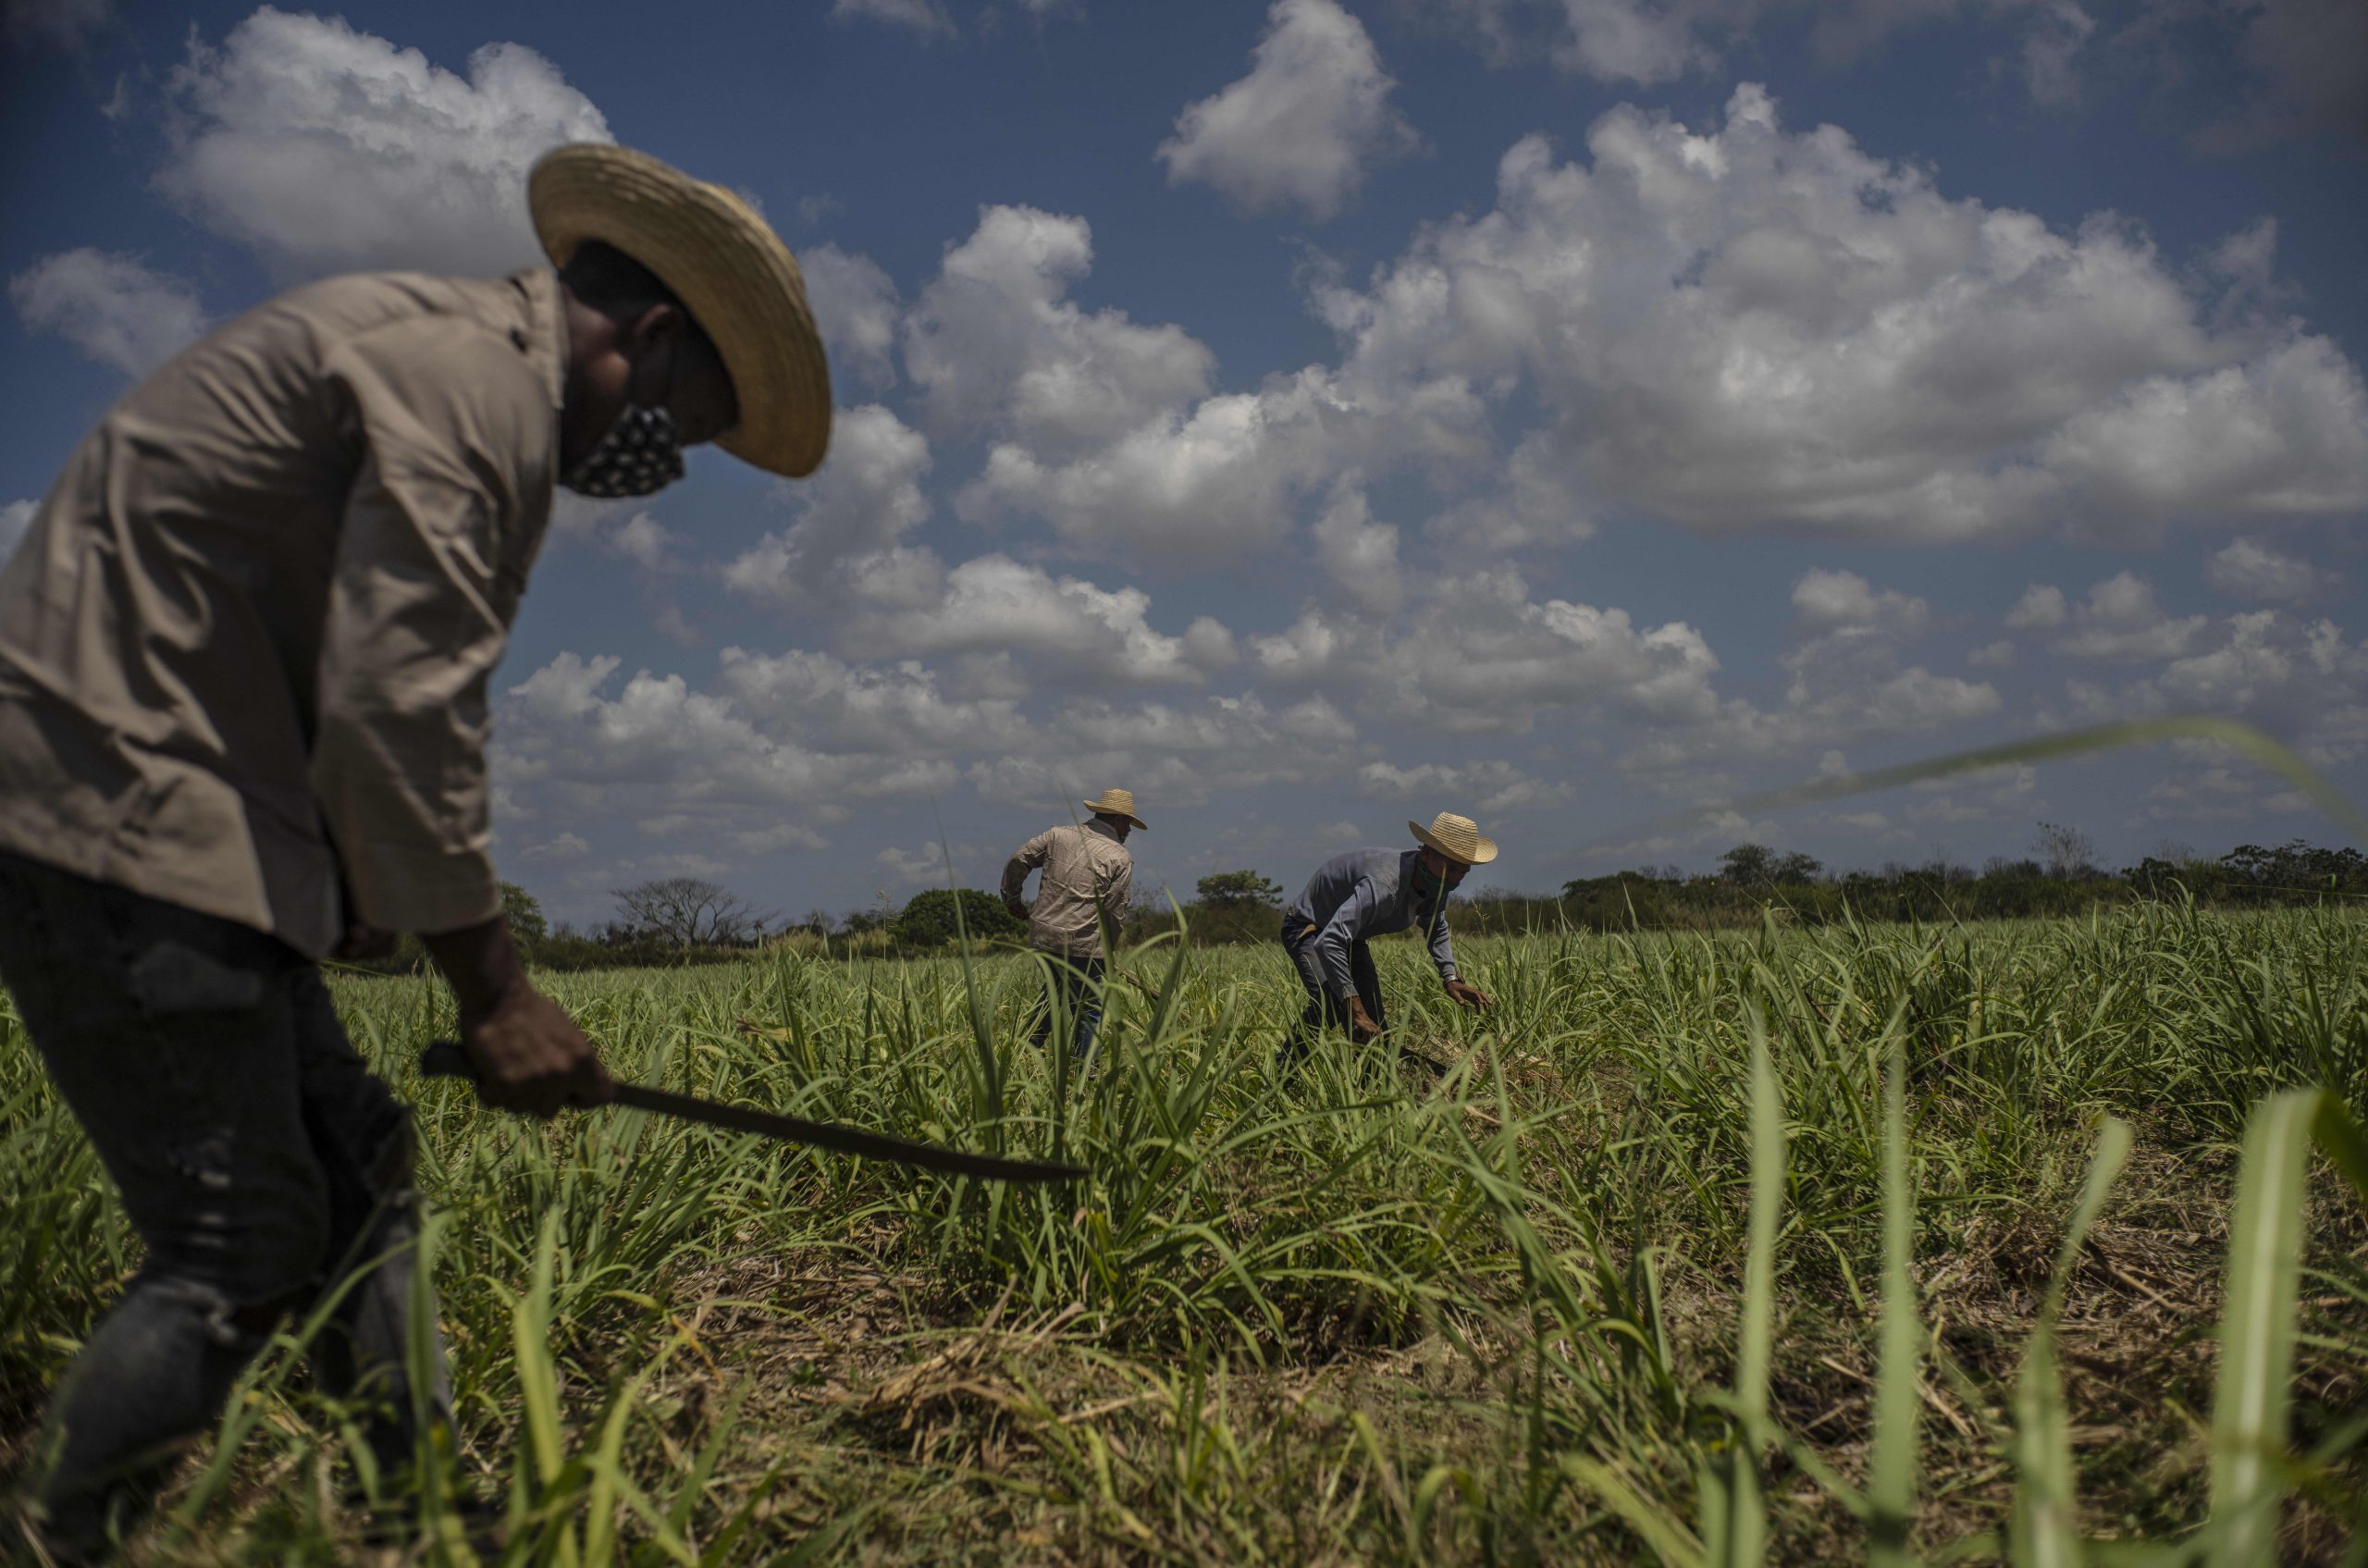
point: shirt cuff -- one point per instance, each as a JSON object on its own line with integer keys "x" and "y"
{"x": 1446, "y": 973}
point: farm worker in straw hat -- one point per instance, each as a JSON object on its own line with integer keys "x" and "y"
{"x": 1362, "y": 894}
{"x": 243, "y": 659}
{"x": 1080, "y": 905}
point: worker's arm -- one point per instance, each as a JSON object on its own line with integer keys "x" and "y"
{"x": 1114, "y": 901}
{"x": 1443, "y": 954}
{"x": 1015, "y": 872}
{"x": 526, "y": 1052}
{"x": 1341, "y": 934}
{"x": 422, "y": 588}
{"x": 1442, "y": 949}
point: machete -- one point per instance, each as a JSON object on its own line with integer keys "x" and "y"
{"x": 446, "y": 1059}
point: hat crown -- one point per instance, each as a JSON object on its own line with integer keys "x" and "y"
{"x": 1458, "y": 834}
{"x": 1116, "y": 800}
{"x": 1457, "y": 837}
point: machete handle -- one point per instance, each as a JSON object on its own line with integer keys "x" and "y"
{"x": 444, "y": 1059}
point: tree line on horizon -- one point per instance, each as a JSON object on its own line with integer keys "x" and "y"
{"x": 679, "y": 919}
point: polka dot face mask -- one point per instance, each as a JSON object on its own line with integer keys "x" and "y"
{"x": 640, "y": 454}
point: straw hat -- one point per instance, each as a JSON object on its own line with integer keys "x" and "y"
{"x": 731, "y": 273}
{"x": 1118, "y": 803}
{"x": 1458, "y": 838}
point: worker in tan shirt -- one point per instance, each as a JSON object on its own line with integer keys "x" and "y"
{"x": 1080, "y": 903}
{"x": 244, "y": 649}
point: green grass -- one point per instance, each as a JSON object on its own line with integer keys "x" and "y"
{"x": 1881, "y": 1244}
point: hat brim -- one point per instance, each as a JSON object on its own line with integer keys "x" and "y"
{"x": 1484, "y": 850}
{"x": 1101, "y": 810}
{"x": 729, "y": 268}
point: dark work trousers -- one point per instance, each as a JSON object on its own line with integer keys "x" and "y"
{"x": 1076, "y": 986}
{"x": 1324, "y": 1010}
{"x": 259, "y": 1160}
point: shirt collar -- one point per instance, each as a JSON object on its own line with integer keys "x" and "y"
{"x": 1409, "y": 888}
{"x": 1095, "y": 824}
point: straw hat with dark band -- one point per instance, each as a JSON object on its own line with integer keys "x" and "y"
{"x": 730, "y": 272}
{"x": 1118, "y": 803}
{"x": 1458, "y": 838}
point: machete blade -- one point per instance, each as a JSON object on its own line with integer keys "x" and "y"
{"x": 445, "y": 1059}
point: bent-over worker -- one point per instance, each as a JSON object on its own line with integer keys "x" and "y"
{"x": 1080, "y": 903}
{"x": 1362, "y": 894}
{"x": 244, "y": 651}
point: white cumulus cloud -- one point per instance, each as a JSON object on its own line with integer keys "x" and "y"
{"x": 1478, "y": 654}
{"x": 1487, "y": 788}
{"x": 853, "y": 513}
{"x": 1653, "y": 41}
{"x": 855, "y": 305}
{"x": 1843, "y": 600}
{"x": 2250, "y": 569}
{"x": 114, "y": 308}
{"x": 1087, "y": 634}
{"x": 680, "y": 760}
{"x": 897, "y": 709}
{"x": 996, "y": 344}
{"x": 327, "y": 149}
{"x": 1305, "y": 128}
{"x": 2285, "y": 434}
{"x": 923, "y": 867}
{"x": 1172, "y": 753}
{"x": 1359, "y": 553}
{"x": 1744, "y": 327}
{"x": 2121, "y": 622}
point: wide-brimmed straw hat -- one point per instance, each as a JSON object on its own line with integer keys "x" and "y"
{"x": 731, "y": 273}
{"x": 1118, "y": 803}
{"x": 1458, "y": 838}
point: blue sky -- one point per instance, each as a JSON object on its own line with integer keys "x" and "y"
{"x": 1313, "y": 416}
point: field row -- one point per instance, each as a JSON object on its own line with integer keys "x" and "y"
{"x": 1896, "y": 1239}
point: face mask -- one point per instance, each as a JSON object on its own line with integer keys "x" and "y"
{"x": 640, "y": 454}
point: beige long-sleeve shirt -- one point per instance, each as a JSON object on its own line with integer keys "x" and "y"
{"x": 1086, "y": 869}
{"x": 244, "y": 646}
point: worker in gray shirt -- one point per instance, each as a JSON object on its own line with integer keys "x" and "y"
{"x": 1363, "y": 894}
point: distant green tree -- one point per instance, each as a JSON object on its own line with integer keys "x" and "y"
{"x": 927, "y": 920}
{"x": 2295, "y": 868}
{"x": 1234, "y": 890}
{"x": 528, "y": 926}
{"x": 2155, "y": 877}
{"x": 1747, "y": 863}
{"x": 1795, "y": 866}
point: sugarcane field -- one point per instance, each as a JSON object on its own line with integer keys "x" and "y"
{"x": 1304, "y": 783}
{"x": 1933, "y": 1227}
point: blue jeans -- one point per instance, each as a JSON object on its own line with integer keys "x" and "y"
{"x": 1076, "y": 985}
{"x": 256, "y": 1154}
